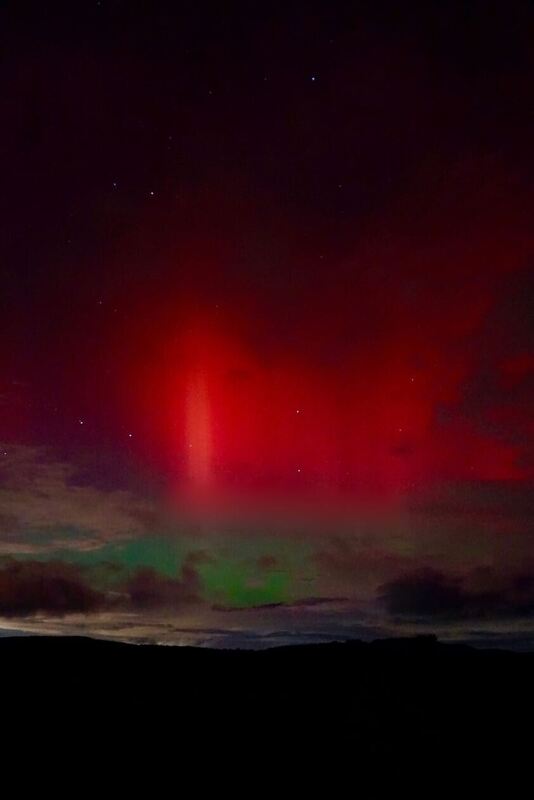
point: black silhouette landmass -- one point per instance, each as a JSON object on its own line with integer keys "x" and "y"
{"x": 400, "y": 704}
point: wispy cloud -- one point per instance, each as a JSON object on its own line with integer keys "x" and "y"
{"x": 39, "y": 493}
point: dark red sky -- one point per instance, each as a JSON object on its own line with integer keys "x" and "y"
{"x": 283, "y": 249}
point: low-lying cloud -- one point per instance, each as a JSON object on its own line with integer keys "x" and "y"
{"x": 434, "y": 596}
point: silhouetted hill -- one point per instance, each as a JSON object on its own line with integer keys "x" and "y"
{"x": 394, "y": 701}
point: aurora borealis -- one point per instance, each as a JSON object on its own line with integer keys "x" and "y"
{"x": 267, "y": 322}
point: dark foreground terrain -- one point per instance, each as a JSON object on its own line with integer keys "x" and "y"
{"x": 399, "y": 705}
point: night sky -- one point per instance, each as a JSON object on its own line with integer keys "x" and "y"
{"x": 267, "y": 320}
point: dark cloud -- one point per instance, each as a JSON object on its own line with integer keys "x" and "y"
{"x": 312, "y": 602}
{"x": 348, "y": 560}
{"x": 301, "y": 604}
{"x": 30, "y": 587}
{"x": 149, "y": 589}
{"x": 57, "y": 588}
{"x": 498, "y": 394}
{"x": 431, "y": 595}
{"x": 425, "y": 593}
